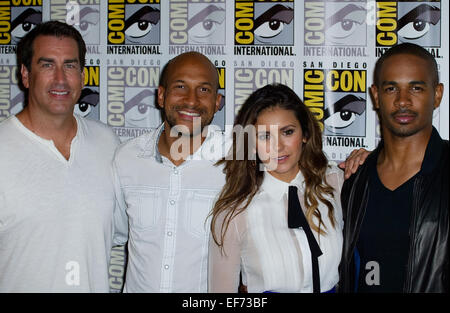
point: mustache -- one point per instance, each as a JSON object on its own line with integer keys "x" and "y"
{"x": 187, "y": 107}
{"x": 60, "y": 87}
{"x": 403, "y": 111}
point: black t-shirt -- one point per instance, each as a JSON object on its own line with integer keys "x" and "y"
{"x": 383, "y": 243}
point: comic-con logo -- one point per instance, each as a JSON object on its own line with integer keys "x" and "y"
{"x": 417, "y": 22}
{"x": 81, "y": 14}
{"x": 134, "y": 23}
{"x": 335, "y": 28}
{"x": 249, "y": 76}
{"x": 131, "y": 100}
{"x": 335, "y": 23}
{"x": 88, "y": 103}
{"x": 337, "y": 98}
{"x": 197, "y": 25}
{"x": 264, "y": 27}
{"x": 116, "y": 272}
{"x": 264, "y": 23}
{"x": 197, "y": 22}
{"x": 17, "y": 18}
{"x": 11, "y": 97}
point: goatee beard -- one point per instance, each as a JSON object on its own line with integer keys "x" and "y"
{"x": 183, "y": 130}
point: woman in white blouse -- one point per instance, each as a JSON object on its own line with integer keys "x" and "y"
{"x": 251, "y": 237}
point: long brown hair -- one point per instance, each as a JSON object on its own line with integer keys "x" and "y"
{"x": 241, "y": 166}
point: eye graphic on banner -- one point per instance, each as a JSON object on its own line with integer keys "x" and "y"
{"x": 274, "y": 25}
{"x": 87, "y": 105}
{"x": 264, "y": 28}
{"x": 344, "y": 115}
{"x": 337, "y": 99}
{"x": 24, "y": 22}
{"x": 134, "y": 28}
{"x": 17, "y": 18}
{"x": 417, "y": 22}
{"x": 131, "y": 107}
{"x": 142, "y": 25}
{"x": 345, "y": 103}
{"x": 207, "y": 26}
{"x": 335, "y": 28}
{"x": 345, "y": 26}
{"x": 89, "y": 26}
{"x": 140, "y": 108}
{"x": 198, "y": 26}
{"x": 84, "y": 16}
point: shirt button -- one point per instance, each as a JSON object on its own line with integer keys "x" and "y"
{"x": 166, "y": 267}
{"x": 175, "y": 171}
{"x": 169, "y": 233}
{"x": 172, "y": 202}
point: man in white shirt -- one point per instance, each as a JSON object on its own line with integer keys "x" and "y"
{"x": 167, "y": 183}
{"x": 56, "y": 191}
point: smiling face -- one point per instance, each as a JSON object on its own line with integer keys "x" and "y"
{"x": 406, "y": 95}
{"x": 189, "y": 93}
{"x": 55, "y": 79}
{"x": 279, "y": 142}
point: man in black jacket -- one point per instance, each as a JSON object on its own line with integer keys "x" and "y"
{"x": 396, "y": 209}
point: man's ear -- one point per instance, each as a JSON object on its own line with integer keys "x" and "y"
{"x": 438, "y": 93}
{"x": 25, "y": 76}
{"x": 218, "y": 101}
{"x": 374, "y": 94}
{"x": 160, "y": 97}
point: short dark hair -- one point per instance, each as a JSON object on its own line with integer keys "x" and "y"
{"x": 406, "y": 48}
{"x": 50, "y": 28}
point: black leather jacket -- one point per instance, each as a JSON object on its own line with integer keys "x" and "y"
{"x": 428, "y": 260}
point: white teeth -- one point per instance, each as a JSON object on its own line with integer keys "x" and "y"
{"x": 59, "y": 93}
{"x": 189, "y": 113}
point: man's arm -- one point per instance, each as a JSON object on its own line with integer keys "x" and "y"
{"x": 120, "y": 234}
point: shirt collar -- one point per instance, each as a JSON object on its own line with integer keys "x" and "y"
{"x": 276, "y": 188}
{"x": 432, "y": 153}
{"x": 150, "y": 145}
{"x": 212, "y": 149}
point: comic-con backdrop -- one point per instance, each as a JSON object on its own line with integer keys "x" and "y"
{"x": 324, "y": 50}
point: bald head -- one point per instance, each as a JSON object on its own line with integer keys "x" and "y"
{"x": 190, "y": 57}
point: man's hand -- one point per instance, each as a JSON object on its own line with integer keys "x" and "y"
{"x": 354, "y": 160}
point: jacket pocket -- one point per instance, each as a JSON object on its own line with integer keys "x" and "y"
{"x": 144, "y": 208}
{"x": 200, "y": 205}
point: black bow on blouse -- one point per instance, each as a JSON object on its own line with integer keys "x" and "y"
{"x": 296, "y": 219}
